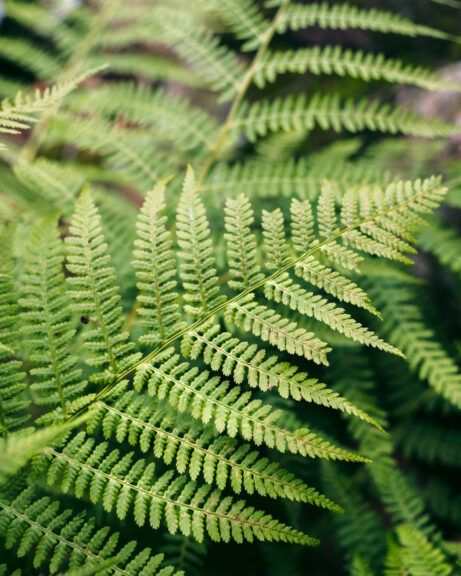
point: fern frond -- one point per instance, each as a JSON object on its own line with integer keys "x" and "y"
{"x": 334, "y": 283}
{"x": 246, "y": 362}
{"x": 212, "y": 61}
{"x": 302, "y": 177}
{"x": 55, "y": 185}
{"x": 360, "y": 528}
{"x": 22, "y": 112}
{"x": 443, "y": 242}
{"x": 359, "y": 567}
{"x": 127, "y": 151}
{"x": 4, "y": 571}
{"x": 343, "y": 16}
{"x": 241, "y": 244}
{"x": 418, "y": 556}
{"x": 197, "y": 270}
{"x": 173, "y": 117}
{"x": 95, "y": 294}
{"x": 44, "y": 23}
{"x": 12, "y": 386}
{"x": 55, "y": 538}
{"x": 275, "y": 245}
{"x": 402, "y": 501}
{"x": 427, "y": 442}
{"x": 18, "y": 448}
{"x": 329, "y": 112}
{"x": 122, "y": 485}
{"x": 209, "y": 400}
{"x": 156, "y": 267}
{"x": 196, "y": 451}
{"x": 148, "y": 66}
{"x": 47, "y": 328}
{"x": 30, "y": 56}
{"x": 244, "y": 19}
{"x": 185, "y": 553}
{"x": 345, "y": 62}
{"x": 287, "y": 292}
{"x": 406, "y": 328}
{"x": 279, "y": 331}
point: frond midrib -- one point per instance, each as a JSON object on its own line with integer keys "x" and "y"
{"x": 54, "y": 536}
{"x": 166, "y": 500}
{"x": 196, "y": 447}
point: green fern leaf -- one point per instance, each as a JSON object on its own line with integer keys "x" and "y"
{"x": 357, "y": 64}
{"x": 47, "y": 328}
{"x": 13, "y": 401}
{"x": 404, "y": 323}
{"x": 329, "y": 112}
{"x": 215, "y": 63}
{"x": 196, "y": 451}
{"x": 245, "y": 361}
{"x": 210, "y": 400}
{"x": 277, "y": 330}
{"x": 417, "y": 555}
{"x": 188, "y": 127}
{"x": 185, "y": 507}
{"x": 155, "y": 267}
{"x": 343, "y": 16}
{"x": 55, "y": 538}
{"x": 241, "y": 244}
{"x": 95, "y": 294}
{"x": 244, "y": 19}
{"x": 197, "y": 270}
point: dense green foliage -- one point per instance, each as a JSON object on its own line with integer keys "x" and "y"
{"x": 217, "y": 354}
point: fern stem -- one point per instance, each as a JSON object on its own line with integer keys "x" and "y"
{"x": 246, "y": 82}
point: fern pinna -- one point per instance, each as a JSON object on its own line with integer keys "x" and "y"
{"x": 207, "y": 325}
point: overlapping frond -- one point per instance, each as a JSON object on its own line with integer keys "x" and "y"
{"x": 218, "y": 65}
{"x": 198, "y": 266}
{"x": 122, "y": 483}
{"x": 360, "y": 528}
{"x": 197, "y": 451}
{"x": 344, "y": 16}
{"x": 171, "y": 116}
{"x": 56, "y": 538}
{"x": 303, "y": 178}
{"x": 19, "y": 114}
{"x": 427, "y": 442}
{"x": 94, "y": 291}
{"x": 211, "y": 400}
{"x": 286, "y": 291}
{"x": 443, "y": 242}
{"x": 281, "y": 332}
{"x": 241, "y": 244}
{"x": 128, "y": 153}
{"x": 406, "y": 327}
{"x": 12, "y": 386}
{"x": 415, "y": 555}
{"x": 246, "y": 362}
{"x": 155, "y": 267}
{"x": 46, "y": 325}
{"x": 244, "y": 19}
{"x": 345, "y": 62}
{"x": 329, "y": 111}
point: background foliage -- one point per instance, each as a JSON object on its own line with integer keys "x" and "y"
{"x": 113, "y": 250}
